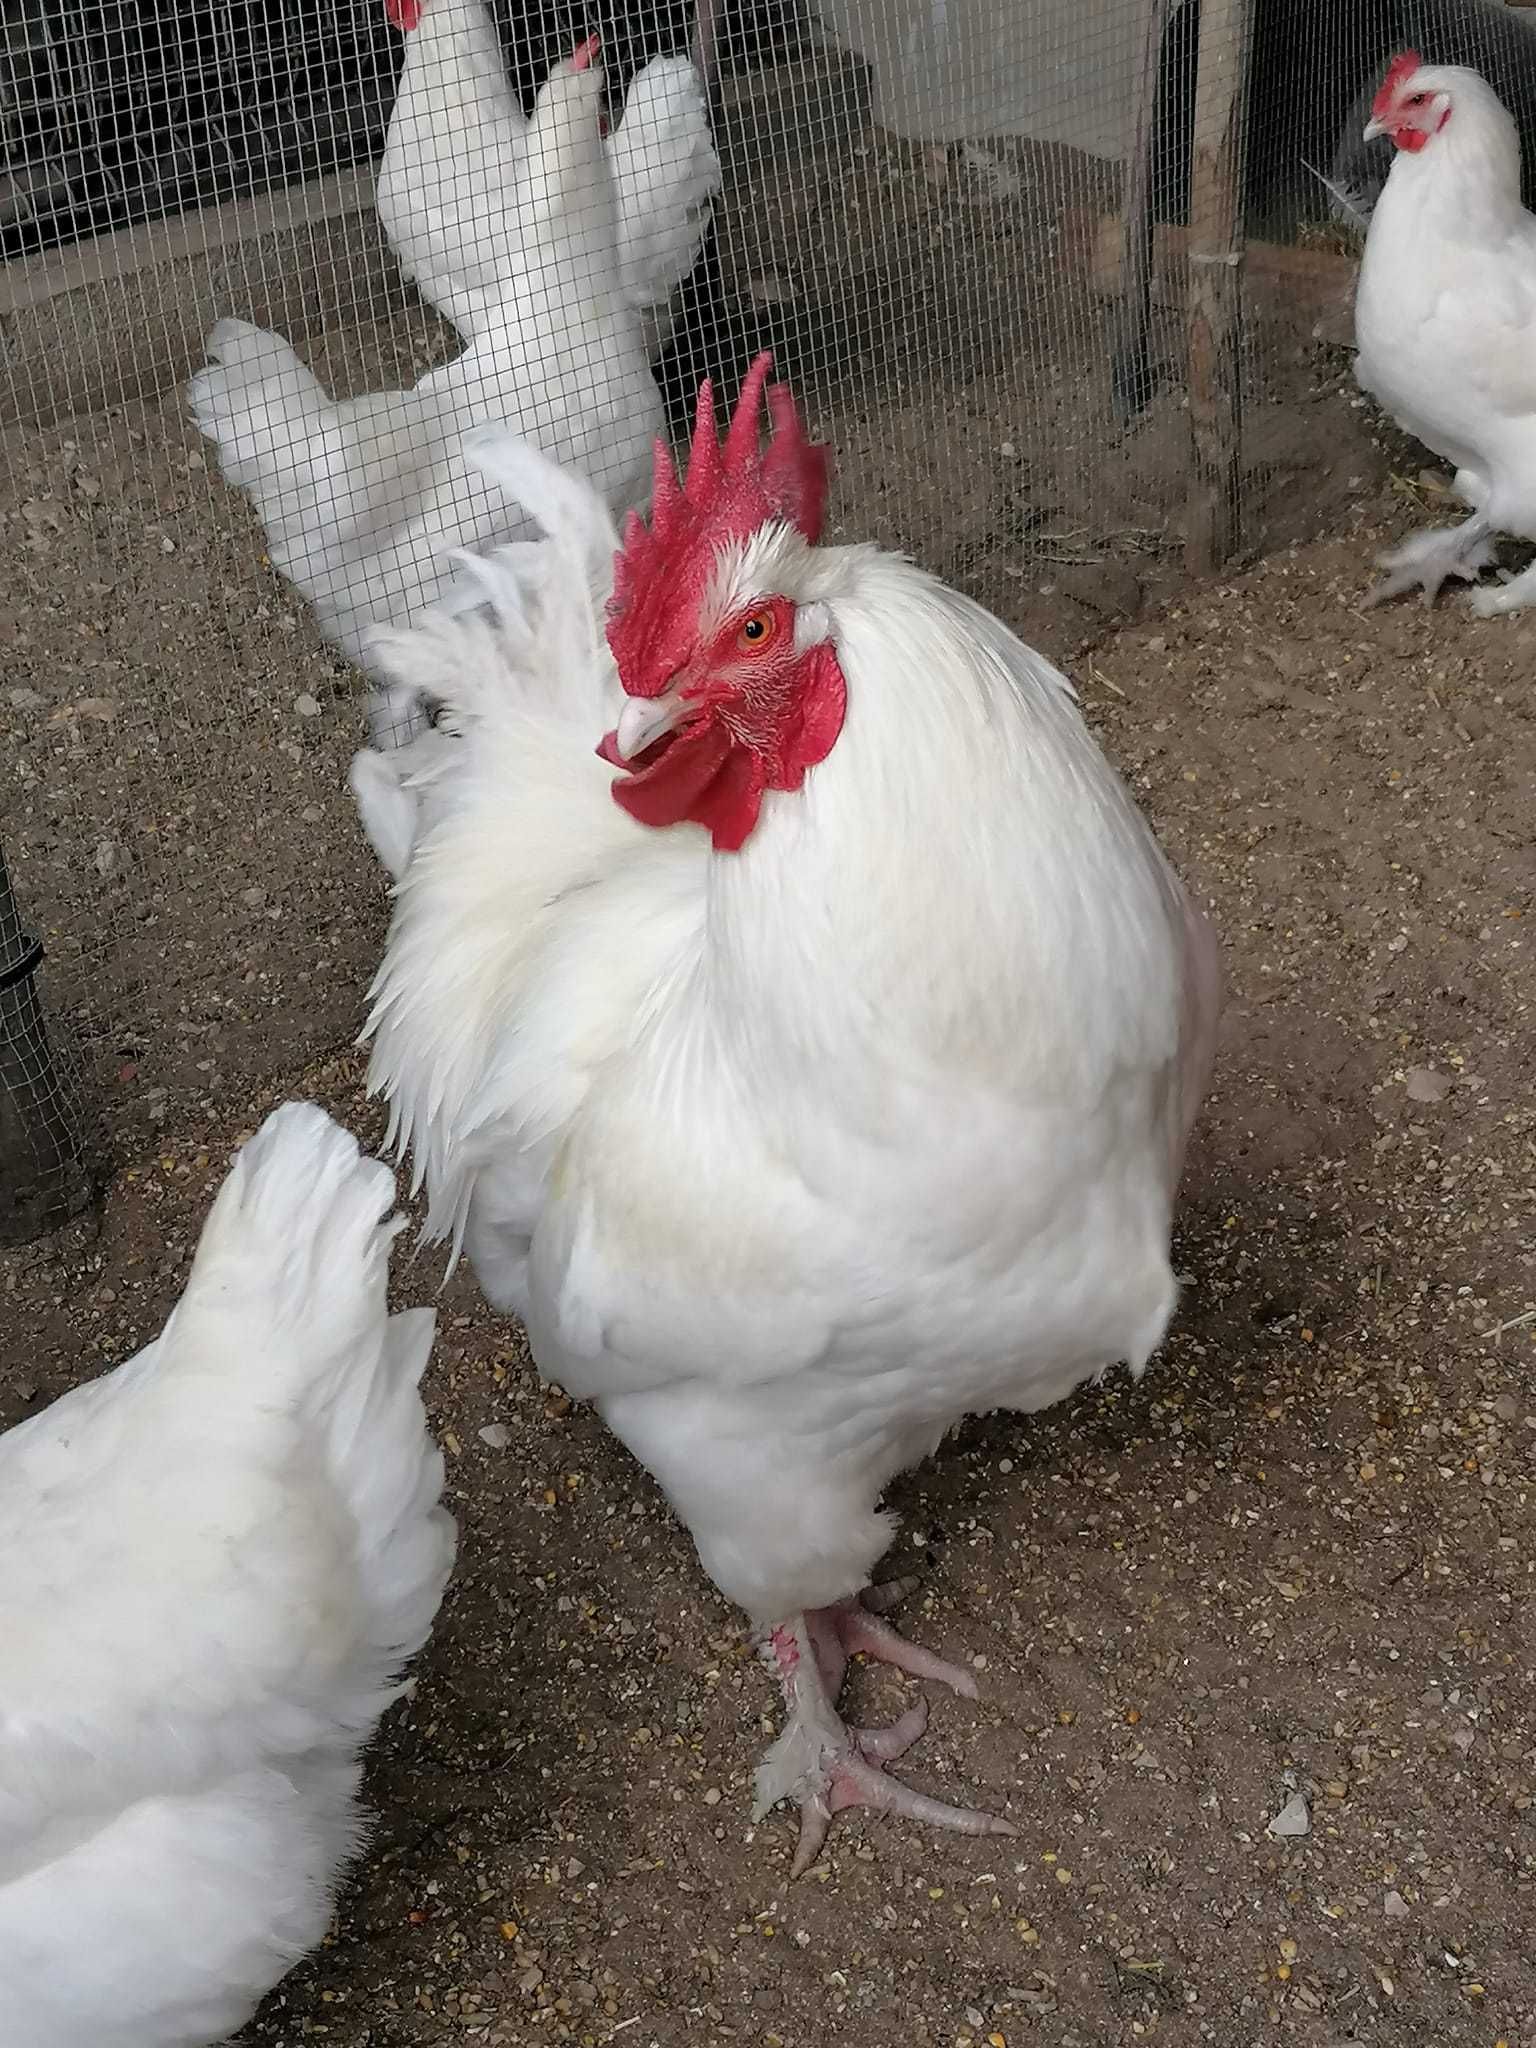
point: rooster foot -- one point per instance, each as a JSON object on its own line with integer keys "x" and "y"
{"x": 1511, "y": 594}
{"x": 1428, "y": 561}
{"x": 824, "y": 1765}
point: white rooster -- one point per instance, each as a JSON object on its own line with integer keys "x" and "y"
{"x": 449, "y": 188}
{"x": 362, "y": 500}
{"x": 1445, "y": 318}
{"x": 217, "y": 1560}
{"x": 813, "y": 1069}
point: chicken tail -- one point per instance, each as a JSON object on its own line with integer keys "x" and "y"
{"x": 257, "y": 403}
{"x": 520, "y": 621}
{"x": 293, "y": 1272}
{"x": 666, "y": 175}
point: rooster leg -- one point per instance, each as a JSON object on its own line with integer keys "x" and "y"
{"x": 1513, "y": 595}
{"x": 823, "y": 1764}
{"x": 1428, "y": 560}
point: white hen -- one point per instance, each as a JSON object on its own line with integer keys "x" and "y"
{"x": 1445, "y": 318}
{"x": 449, "y": 182}
{"x": 832, "y": 1083}
{"x": 362, "y": 500}
{"x": 217, "y": 1559}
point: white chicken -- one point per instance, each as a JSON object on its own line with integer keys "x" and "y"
{"x": 1445, "y": 318}
{"x": 830, "y": 1084}
{"x": 217, "y": 1560}
{"x": 450, "y": 178}
{"x": 362, "y": 500}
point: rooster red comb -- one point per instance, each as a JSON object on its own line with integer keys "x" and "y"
{"x": 1399, "y": 71}
{"x": 730, "y": 490}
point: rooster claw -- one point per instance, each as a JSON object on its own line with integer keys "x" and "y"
{"x": 1512, "y": 593}
{"x": 1428, "y": 562}
{"x": 852, "y": 1773}
{"x": 823, "y": 1764}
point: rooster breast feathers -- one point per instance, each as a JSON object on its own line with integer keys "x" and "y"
{"x": 919, "y": 1092}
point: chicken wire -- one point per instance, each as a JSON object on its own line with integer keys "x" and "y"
{"x": 964, "y": 227}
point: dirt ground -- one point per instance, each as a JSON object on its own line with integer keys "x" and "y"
{"x": 1296, "y": 1559}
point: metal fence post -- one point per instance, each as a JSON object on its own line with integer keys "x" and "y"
{"x": 45, "y": 1177}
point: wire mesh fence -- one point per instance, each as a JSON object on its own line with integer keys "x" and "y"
{"x": 1066, "y": 285}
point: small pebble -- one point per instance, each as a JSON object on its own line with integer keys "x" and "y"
{"x": 1425, "y": 1085}
{"x": 1294, "y": 1818}
{"x": 496, "y": 1434}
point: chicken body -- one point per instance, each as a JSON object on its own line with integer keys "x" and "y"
{"x": 1445, "y": 318}
{"x": 217, "y": 1559}
{"x": 451, "y": 180}
{"x": 792, "y": 1157}
{"x": 362, "y": 500}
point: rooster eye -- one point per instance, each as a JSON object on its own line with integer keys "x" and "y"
{"x": 1417, "y": 99}
{"x": 757, "y": 631}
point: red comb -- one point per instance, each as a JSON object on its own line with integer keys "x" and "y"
{"x": 584, "y": 53}
{"x": 730, "y": 490}
{"x": 1402, "y": 68}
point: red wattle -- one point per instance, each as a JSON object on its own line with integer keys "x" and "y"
{"x": 673, "y": 788}
{"x": 404, "y": 15}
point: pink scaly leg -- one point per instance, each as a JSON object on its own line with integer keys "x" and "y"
{"x": 823, "y": 1764}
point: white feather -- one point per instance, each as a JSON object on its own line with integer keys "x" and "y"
{"x": 364, "y": 500}
{"x": 448, "y": 190}
{"x": 218, "y": 1558}
{"x": 1445, "y": 308}
{"x": 793, "y": 1157}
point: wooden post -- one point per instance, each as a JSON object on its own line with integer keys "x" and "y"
{"x": 1216, "y": 286}
{"x": 1131, "y": 373}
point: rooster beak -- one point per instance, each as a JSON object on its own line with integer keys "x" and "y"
{"x": 644, "y": 720}
{"x": 1373, "y": 128}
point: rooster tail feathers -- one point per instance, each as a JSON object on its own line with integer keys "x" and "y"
{"x": 503, "y": 604}
{"x": 386, "y": 806}
{"x": 301, "y": 1210}
{"x": 252, "y": 391}
{"x": 521, "y": 623}
{"x": 666, "y": 175}
{"x": 391, "y": 1473}
{"x": 564, "y": 175}
{"x": 289, "y": 1290}
{"x": 569, "y": 510}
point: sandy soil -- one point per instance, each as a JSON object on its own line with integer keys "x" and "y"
{"x": 1297, "y": 1558}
